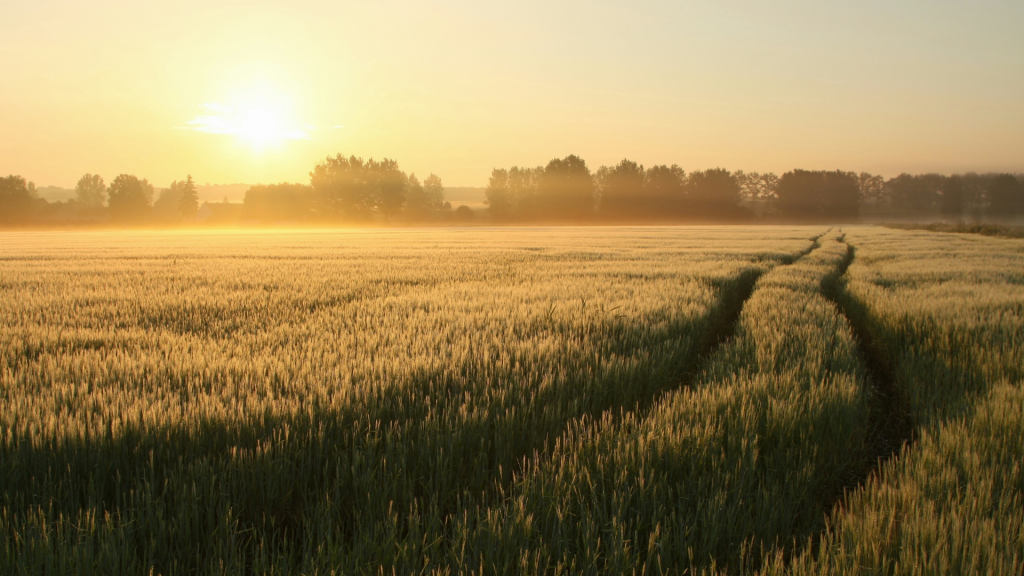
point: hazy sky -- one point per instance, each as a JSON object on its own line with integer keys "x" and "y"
{"x": 235, "y": 91}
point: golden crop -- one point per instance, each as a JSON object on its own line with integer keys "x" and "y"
{"x": 578, "y": 400}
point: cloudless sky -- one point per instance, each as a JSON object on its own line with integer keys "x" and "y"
{"x": 250, "y": 91}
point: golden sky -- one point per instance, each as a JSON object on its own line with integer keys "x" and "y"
{"x": 253, "y": 91}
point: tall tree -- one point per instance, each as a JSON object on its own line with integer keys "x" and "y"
{"x": 498, "y": 196}
{"x": 424, "y": 201}
{"x": 820, "y": 195}
{"x": 915, "y": 193}
{"x": 1005, "y": 197}
{"x": 664, "y": 192}
{"x": 388, "y": 184}
{"x": 434, "y": 191}
{"x": 713, "y": 194}
{"x": 416, "y": 205}
{"x": 16, "y": 200}
{"x": 872, "y": 191}
{"x": 621, "y": 191}
{"x": 566, "y": 190}
{"x": 90, "y": 191}
{"x": 188, "y": 204}
{"x": 513, "y": 194}
{"x": 953, "y": 198}
{"x": 342, "y": 188}
{"x": 129, "y": 198}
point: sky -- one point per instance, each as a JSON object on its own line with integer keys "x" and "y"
{"x": 259, "y": 92}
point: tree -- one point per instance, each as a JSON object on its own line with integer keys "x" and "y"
{"x": 434, "y": 190}
{"x": 1005, "y": 197}
{"x": 342, "y": 189}
{"x": 872, "y": 190}
{"x": 426, "y": 200}
{"x": 279, "y": 203}
{"x": 920, "y": 193}
{"x": 819, "y": 195}
{"x": 621, "y": 191}
{"x": 953, "y": 198}
{"x": 165, "y": 207}
{"x": 513, "y": 194}
{"x": 566, "y": 190}
{"x": 129, "y": 198}
{"x": 416, "y": 205}
{"x": 664, "y": 192}
{"x": 91, "y": 191}
{"x": 17, "y": 198}
{"x": 713, "y": 193}
{"x": 388, "y": 184}
{"x": 188, "y": 205}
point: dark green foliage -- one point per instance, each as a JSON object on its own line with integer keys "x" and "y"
{"x": 17, "y": 200}
{"x": 819, "y": 195}
{"x": 129, "y": 199}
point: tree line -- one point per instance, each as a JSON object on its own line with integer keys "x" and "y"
{"x": 565, "y": 190}
{"x": 127, "y": 199}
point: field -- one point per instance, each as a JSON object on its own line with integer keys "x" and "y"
{"x": 533, "y": 400}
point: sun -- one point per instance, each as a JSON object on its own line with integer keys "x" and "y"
{"x": 260, "y": 125}
{"x": 261, "y": 119}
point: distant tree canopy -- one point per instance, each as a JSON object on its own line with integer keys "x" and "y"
{"x": 129, "y": 198}
{"x": 350, "y": 189}
{"x": 188, "y": 199}
{"x": 279, "y": 203}
{"x": 818, "y": 195}
{"x": 565, "y": 190}
{"x": 1006, "y": 197}
{"x": 629, "y": 192}
{"x": 713, "y": 194}
{"x": 953, "y": 198}
{"x": 91, "y": 191}
{"x": 17, "y": 200}
{"x": 424, "y": 201}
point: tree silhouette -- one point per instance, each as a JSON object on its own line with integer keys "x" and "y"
{"x": 91, "y": 191}
{"x": 910, "y": 193}
{"x": 388, "y": 183}
{"x": 513, "y": 194}
{"x": 16, "y": 200}
{"x": 341, "y": 188}
{"x": 819, "y": 195}
{"x": 188, "y": 205}
{"x": 713, "y": 194}
{"x": 664, "y": 192}
{"x": 566, "y": 190}
{"x": 279, "y": 203}
{"x": 424, "y": 201}
{"x": 1005, "y": 197}
{"x": 352, "y": 189}
{"x": 129, "y": 198}
{"x": 953, "y": 198}
{"x": 621, "y": 191}
{"x": 434, "y": 191}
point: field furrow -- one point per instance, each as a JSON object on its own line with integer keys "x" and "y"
{"x": 951, "y": 502}
{"x": 717, "y": 474}
{"x": 242, "y": 406}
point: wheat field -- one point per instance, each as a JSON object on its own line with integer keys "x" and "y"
{"x": 592, "y": 400}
